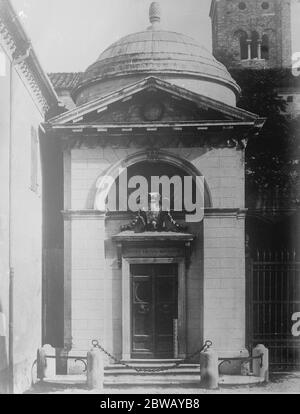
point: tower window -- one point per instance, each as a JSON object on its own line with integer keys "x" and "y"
{"x": 265, "y": 47}
{"x": 242, "y": 5}
{"x": 265, "y": 5}
{"x": 290, "y": 99}
{"x": 254, "y": 45}
{"x": 244, "y": 46}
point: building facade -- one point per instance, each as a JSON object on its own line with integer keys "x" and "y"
{"x": 151, "y": 284}
{"x": 25, "y": 99}
{"x": 154, "y": 103}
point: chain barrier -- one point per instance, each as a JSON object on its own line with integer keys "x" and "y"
{"x": 204, "y": 348}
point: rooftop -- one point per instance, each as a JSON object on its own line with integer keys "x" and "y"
{"x": 65, "y": 80}
{"x": 156, "y": 51}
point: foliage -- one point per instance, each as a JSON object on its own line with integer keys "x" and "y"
{"x": 227, "y": 58}
{"x": 271, "y": 157}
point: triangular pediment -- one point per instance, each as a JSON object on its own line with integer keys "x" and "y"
{"x": 152, "y": 100}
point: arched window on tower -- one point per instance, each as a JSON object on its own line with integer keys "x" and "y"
{"x": 254, "y": 45}
{"x": 244, "y": 46}
{"x": 265, "y": 47}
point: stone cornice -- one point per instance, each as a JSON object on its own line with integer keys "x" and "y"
{"x": 154, "y": 126}
{"x": 102, "y": 103}
{"x": 212, "y": 9}
{"x": 83, "y": 215}
{"x": 102, "y": 215}
{"x": 156, "y": 137}
{"x": 153, "y": 236}
{"x": 18, "y": 47}
{"x": 239, "y": 213}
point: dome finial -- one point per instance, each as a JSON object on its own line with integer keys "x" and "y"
{"x": 154, "y": 12}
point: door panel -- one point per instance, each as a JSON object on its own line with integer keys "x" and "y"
{"x": 142, "y": 314}
{"x": 166, "y": 312}
{"x": 154, "y": 308}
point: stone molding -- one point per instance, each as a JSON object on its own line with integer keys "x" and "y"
{"x": 70, "y": 215}
{"x": 102, "y": 215}
{"x": 18, "y": 47}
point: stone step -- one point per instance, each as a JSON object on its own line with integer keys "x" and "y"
{"x": 141, "y": 381}
{"x": 150, "y": 377}
{"x": 123, "y": 377}
{"x": 153, "y": 361}
{"x": 131, "y": 382}
{"x": 149, "y": 363}
{"x": 184, "y": 369}
{"x": 66, "y": 380}
{"x": 131, "y": 372}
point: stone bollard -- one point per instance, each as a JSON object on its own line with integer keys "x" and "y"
{"x": 51, "y": 361}
{"x": 95, "y": 370}
{"x": 209, "y": 370}
{"x": 41, "y": 362}
{"x": 261, "y": 370}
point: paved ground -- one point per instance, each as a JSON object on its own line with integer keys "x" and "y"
{"x": 279, "y": 384}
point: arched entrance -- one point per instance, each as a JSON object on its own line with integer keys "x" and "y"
{"x": 147, "y": 164}
{"x": 154, "y": 266}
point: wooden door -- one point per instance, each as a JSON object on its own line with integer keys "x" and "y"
{"x": 154, "y": 296}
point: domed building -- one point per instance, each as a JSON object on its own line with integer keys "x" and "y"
{"x": 153, "y": 206}
{"x": 170, "y": 56}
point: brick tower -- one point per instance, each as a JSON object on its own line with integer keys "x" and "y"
{"x": 252, "y": 33}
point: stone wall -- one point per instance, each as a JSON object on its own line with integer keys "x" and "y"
{"x": 26, "y": 225}
{"x": 4, "y": 216}
{"x": 223, "y": 170}
{"x": 224, "y": 282}
{"x": 215, "y": 279}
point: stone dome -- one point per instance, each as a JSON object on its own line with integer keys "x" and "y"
{"x": 154, "y": 52}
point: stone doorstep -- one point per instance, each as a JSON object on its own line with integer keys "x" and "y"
{"x": 236, "y": 380}
{"x": 153, "y": 364}
{"x": 183, "y": 375}
{"x": 68, "y": 380}
{"x": 117, "y": 375}
{"x": 121, "y": 371}
{"x": 152, "y": 380}
{"x": 178, "y": 383}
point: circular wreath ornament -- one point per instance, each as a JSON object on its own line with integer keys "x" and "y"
{"x": 153, "y": 111}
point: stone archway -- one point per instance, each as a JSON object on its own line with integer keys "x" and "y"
{"x": 152, "y": 252}
{"x": 106, "y": 180}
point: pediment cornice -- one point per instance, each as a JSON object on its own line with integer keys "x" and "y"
{"x": 80, "y": 117}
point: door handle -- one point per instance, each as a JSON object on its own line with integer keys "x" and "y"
{"x": 143, "y": 309}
